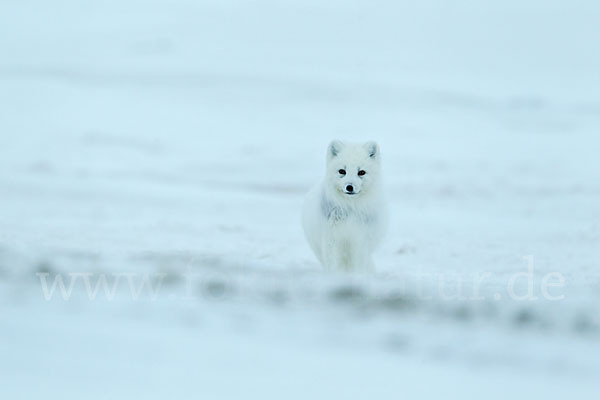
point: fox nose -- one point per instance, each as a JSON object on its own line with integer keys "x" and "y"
{"x": 349, "y": 189}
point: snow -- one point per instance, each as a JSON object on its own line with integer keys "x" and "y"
{"x": 179, "y": 138}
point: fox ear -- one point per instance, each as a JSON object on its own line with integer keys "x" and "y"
{"x": 373, "y": 149}
{"x": 334, "y": 149}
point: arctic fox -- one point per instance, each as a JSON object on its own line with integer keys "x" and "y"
{"x": 344, "y": 218}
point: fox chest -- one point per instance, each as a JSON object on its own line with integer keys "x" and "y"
{"x": 336, "y": 215}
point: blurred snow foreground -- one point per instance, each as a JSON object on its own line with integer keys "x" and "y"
{"x": 154, "y": 159}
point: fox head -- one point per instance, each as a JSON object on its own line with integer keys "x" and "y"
{"x": 352, "y": 169}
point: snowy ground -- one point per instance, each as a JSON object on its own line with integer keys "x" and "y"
{"x": 179, "y": 137}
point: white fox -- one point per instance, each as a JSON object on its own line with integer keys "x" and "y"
{"x": 344, "y": 218}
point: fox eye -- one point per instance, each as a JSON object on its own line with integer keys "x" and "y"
{"x": 342, "y": 172}
{"x": 361, "y": 173}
